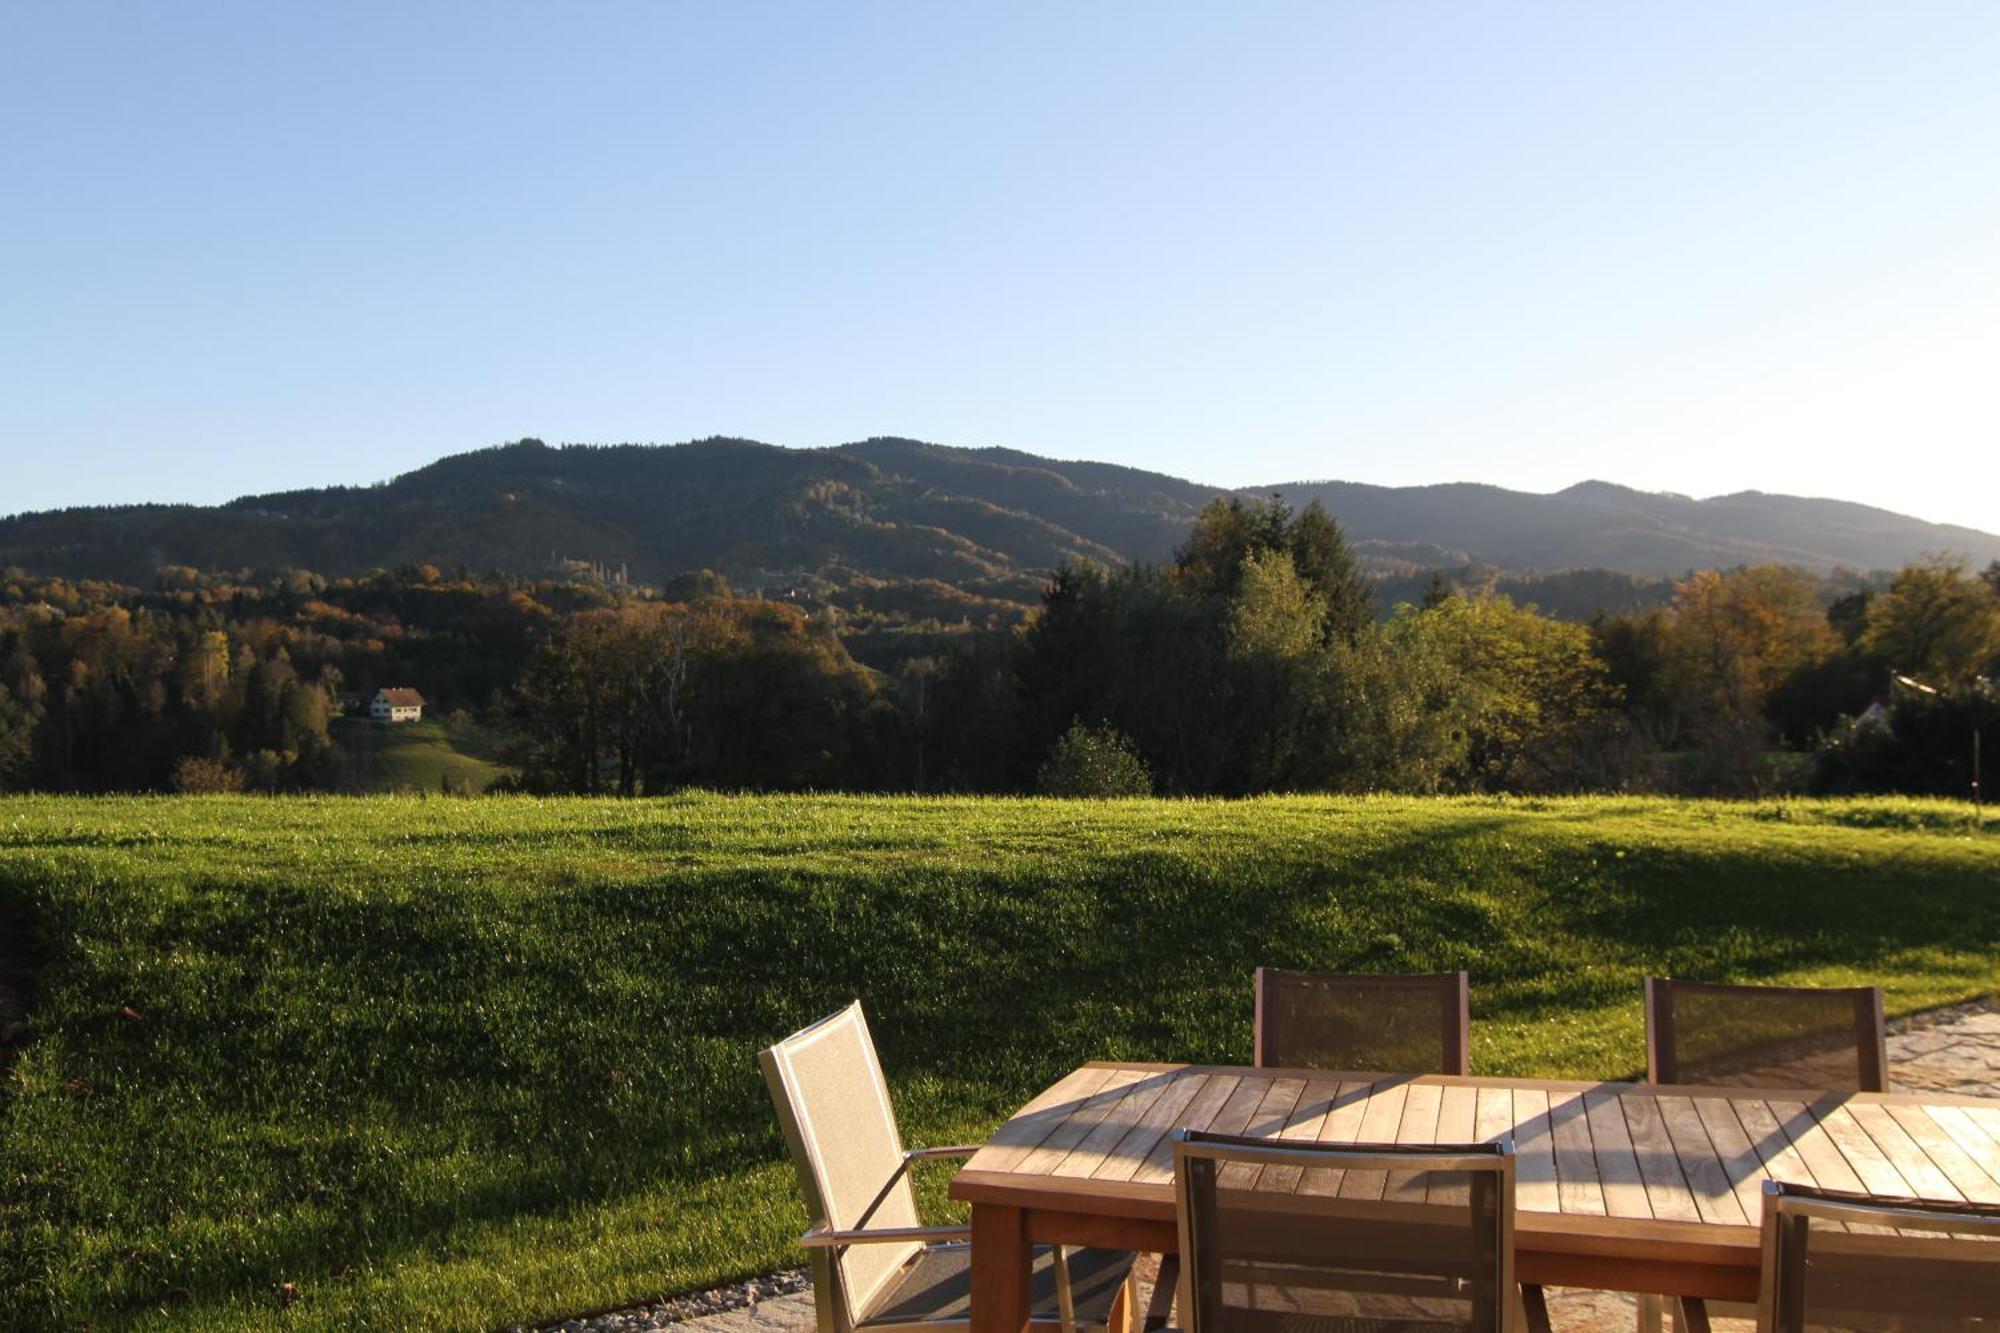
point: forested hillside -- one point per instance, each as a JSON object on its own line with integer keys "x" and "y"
{"x": 1259, "y": 658}
{"x": 987, "y": 522}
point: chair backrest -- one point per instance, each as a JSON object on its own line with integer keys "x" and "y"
{"x": 833, "y": 1103}
{"x": 1766, "y": 1036}
{"x": 1858, "y": 1262}
{"x": 1398, "y": 1023}
{"x": 1424, "y": 1233}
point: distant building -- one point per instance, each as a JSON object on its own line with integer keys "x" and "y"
{"x": 396, "y": 705}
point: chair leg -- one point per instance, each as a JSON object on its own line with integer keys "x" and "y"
{"x": 1652, "y": 1317}
{"x": 1123, "y": 1316}
{"x": 1535, "y": 1306}
{"x": 1065, "y": 1301}
{"x": 1160, "y": 1309}
{"x": 1690, "y": 1315}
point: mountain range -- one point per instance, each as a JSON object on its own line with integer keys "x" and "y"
{"x": 900, "y": 510}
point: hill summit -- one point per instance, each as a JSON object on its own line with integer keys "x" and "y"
{"x": 904, "y": 510}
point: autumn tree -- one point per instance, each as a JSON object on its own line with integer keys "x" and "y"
{"x": 1735, "y": 638}
{"x": 1213, "y": 559}
{"x": 1936, "y": 622}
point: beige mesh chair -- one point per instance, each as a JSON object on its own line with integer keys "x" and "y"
{"x": 1855, "y": 1263}
{"x": 1766, "y": 1036}
{"x": 876, "y": 1267}
{"x": 1400, "y": 1023}
{"x": 1272, "y": 1242}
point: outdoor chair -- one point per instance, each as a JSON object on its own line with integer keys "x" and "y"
{"x": 1426, "y": 1246}
{"x": 876, "y": 1267}
{"x": 1401, "y": 1023}
{"x": 1762, "y": 1037}
{"x": 1766, "y": 1036}
{"x": 1855, "y": 1263}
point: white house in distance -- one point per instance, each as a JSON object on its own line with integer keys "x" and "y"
{"x": 396, "y": 704}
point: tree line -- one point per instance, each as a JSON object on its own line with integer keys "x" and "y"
{"x": 1259, "y": 659}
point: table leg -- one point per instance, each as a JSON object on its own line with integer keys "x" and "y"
{"x": 1000, "y": 1269}
{"x": 1651, "y": 1313}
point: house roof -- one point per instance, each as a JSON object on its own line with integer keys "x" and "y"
{"x": 400, "y": 696}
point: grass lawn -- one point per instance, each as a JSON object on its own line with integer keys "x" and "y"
{"x": 449, "y": 1063}
{"x": 420, "y": 756}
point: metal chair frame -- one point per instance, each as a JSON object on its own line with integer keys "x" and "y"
{"x": 824, "y": 1243}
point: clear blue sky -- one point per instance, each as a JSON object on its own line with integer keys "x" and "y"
{"x": 1688, "y": 247}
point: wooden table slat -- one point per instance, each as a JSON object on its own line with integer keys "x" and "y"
{"x": 1495, "y": 1118}
{"x": 1342, "y": 1125}
{"x": 1972, "y": 1180}
{"x": 1044, "y": 1157}
{"x": 1878, "y": 1175}
{"x": 1632, "y": 1186}
{"x": 1301, "y": 1126}
{"x": 1217, "y": 1092}
{"x": 1458, "y": 1122}
{"x": 1740, "y": 1162}
{"x": 1829, "y": 1166}
{"x": 1038, "y": 1119}
{"x": 1577, "y": 1187}
{"x": 1667, "y": 1188}
{"x": 1534, "y": 1152}
{"x": 1617, "y": 1163}
{"x": 1971, "y": 1140}
{"x": 1281, "y": 1096}
{"x": 1120, "y": 1120}
{"x": 1987, "y": 1118}
{"x": 1769, "y": 1141}
{"x": 1714, "y": 1195}
{"x": 1417, "y": 1127}
{"x": 1899, "y": 1146}
{"x": 1381, "y": 1117}
{"x": 1152, "y": 1128}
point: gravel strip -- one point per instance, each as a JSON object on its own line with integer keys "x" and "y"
{"x": 677, "y": 1309}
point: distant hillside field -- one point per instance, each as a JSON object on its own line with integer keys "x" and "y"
{"x": 986, "y": 522}
{"x": 438, "y": 1063}
{"x": 427, "y": 756}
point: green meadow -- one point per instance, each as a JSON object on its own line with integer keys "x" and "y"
{"x": 433, "y": 755}
{"x": 417, "y": 1063}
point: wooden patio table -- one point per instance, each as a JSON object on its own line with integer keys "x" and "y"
{"x": 1620, "y": 1186}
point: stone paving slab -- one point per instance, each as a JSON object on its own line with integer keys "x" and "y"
{"x": 1954, "y": 1050}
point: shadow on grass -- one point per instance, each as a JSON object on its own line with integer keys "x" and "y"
{"x": 593, "y": 1040}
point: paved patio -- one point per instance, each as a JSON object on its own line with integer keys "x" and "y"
{"x": 1948, "y": 1050}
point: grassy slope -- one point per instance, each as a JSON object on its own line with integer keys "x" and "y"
{"x": 413, "y": 756}
{"x": 451, "y": 1063}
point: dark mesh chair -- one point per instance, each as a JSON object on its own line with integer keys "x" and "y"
{"x": 1431, "y": 1253}
{"x": 1855, "y": 1263}
{"x": 1399, "y": 1023}
{"x": 1765, "y": 1036}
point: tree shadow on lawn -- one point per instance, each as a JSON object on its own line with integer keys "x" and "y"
{"x": 603, "y": 1035}
{"x": 21, "y": 961}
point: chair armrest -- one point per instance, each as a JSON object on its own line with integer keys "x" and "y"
{"x": 1536, "y": 1306}
{"x": 910, "y": 1159}
{"x": 826, "y": 1238}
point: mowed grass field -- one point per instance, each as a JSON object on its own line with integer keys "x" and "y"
{"x": 456, "y": 1063}
{"x": 426, "y": 756}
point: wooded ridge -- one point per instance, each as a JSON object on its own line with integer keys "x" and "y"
{"x": 987, "y": 521}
